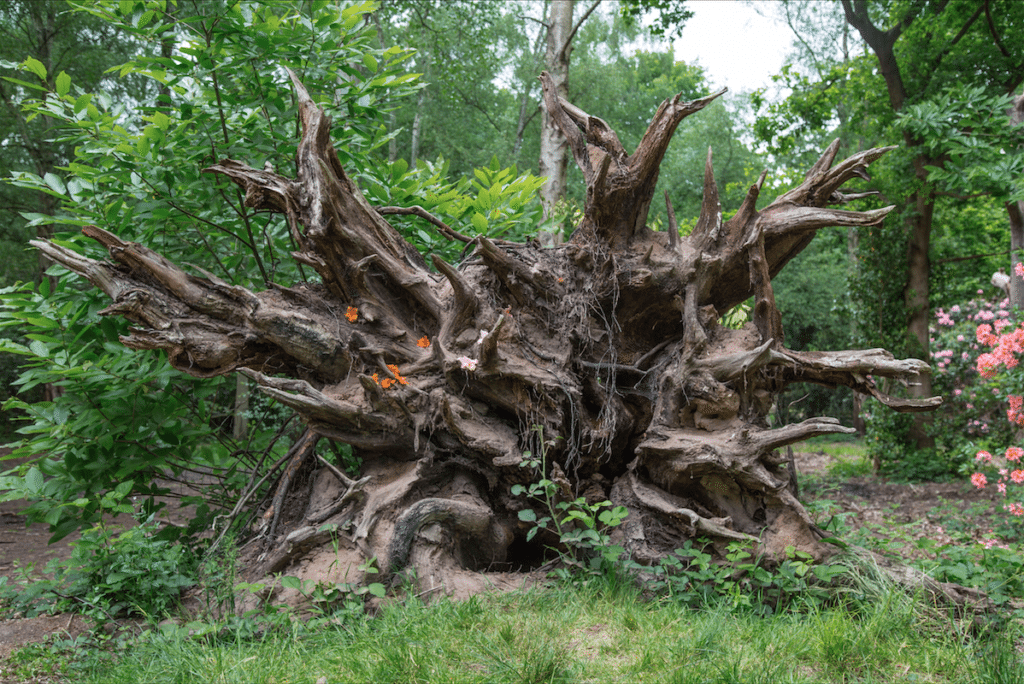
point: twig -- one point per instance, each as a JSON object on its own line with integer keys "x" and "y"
{"x": 299, "y": 451}
{"x": 443, "y": 227}
{"x": 241, "y": 502}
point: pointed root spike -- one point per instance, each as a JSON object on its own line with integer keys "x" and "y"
{"x": 673, "y": 223}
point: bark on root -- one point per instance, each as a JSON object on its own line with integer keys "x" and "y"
{"x": 609, "y": 346}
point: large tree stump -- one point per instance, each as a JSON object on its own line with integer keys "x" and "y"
{"x": 608, "y": 345}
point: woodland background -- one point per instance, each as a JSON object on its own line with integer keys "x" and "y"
{"x": 437, "y": 104}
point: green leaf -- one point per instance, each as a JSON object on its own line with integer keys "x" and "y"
{"x": 479, "y": 222}
{"x": 39, "y": 349}
{"x": 34, "y": 480}
{"x": 377, "y": 589}
{"x": 26, "y": 84}
{"x": 55, "y": 183}
{"x": 528, "y": 515}
{"x": 36, "y": 67}
{"x": 289, "y": 582}
{"x": 63, "y": 83}
{"x": 82, "y": 102}
{"x": 371, "y": 62}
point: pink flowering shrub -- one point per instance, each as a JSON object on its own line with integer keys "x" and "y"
{"x": 997, "y": 348}
{"x": 975, "y": 348}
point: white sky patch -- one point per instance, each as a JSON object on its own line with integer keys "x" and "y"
{"x": 737, "y": 47}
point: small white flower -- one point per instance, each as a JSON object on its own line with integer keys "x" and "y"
{"x": 467, "y": 363}
{"x": 483, "y": 336}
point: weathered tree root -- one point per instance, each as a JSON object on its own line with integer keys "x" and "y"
{"x": 301, "y": 450}
{"x": 608, "y": 349}
{"x": 473, "y": 520}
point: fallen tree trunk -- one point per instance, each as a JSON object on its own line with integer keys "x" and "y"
{"x": 606, "y": 353}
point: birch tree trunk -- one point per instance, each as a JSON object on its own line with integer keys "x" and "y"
{"x": 554, "y": 157}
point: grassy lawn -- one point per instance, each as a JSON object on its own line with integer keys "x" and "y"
{"x": 609, "y": 629}
{"x": 592, "y": 633}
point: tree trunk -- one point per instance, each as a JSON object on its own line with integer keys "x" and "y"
{"x": 1015, "y": 211}
{"x": 919, "y": 307}
{"x": 603, "y": 354}
{"x": 239, "y": 421}
{"x": 554, "y": 158}
{"x": 417, "y": 122}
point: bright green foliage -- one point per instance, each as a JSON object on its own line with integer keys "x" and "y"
{"x": 123, "y": 418}
{"x": 692, "y": 577}
{"x": 227, "y": 96}
{"x": 58, "y": 46}
{"x": 120, "y": 420}
{"x": 63, "y": 46}
{"x": 136, "y": 572}
{"x": 341, "y": 600}
{"x": 969, "y": 131}
{"x": 462, "y": 48}
{"x": 112, "y": 573}
{"x": 496, "y": 202}
{"x": 669, "y": 16}
{"x": 580, "y": 527}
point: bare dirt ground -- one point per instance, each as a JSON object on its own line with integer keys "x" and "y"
{"x": 866, "y": 503}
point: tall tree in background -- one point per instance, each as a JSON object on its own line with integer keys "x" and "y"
{"x": 1015, "y": 212}
{"x": 935, "y": 75}
{"x": 922, "y": 48}
{"x": 554, "y": 151}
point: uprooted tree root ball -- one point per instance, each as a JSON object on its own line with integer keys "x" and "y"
{"x": 607, "y": 349}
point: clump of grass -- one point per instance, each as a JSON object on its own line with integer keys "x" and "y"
{"x": 594, "y": 632}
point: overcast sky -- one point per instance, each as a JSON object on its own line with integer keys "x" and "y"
{"x": 737, "y": 47}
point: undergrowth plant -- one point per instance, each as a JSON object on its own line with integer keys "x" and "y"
{"x": 112, "y": 573}
{"x": 581, "y": 528}
{"x": 690, "y": 575}
{"x": 339, "y": 600}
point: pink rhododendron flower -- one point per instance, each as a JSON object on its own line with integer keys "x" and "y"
{"x": 983, "y": 457}
{"x": 467, "y": 363}
{"x": 1017, "y": 476}
{"x": 1015, "y": 509}
{"x": 1014, "y": 453}
{"x": 979, "y": 480}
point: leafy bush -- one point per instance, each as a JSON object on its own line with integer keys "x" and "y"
{"x": 111, "y": 574}
{"x": 581, "y": 528}
{"x": 120, "y": 418}
{"x": 972, "y": 416}
{"x": 136, "y": 572}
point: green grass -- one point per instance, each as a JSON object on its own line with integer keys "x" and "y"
{"x": 589, "y": 634}
{"x": 849, "y": 458}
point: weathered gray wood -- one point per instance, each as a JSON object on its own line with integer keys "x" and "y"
{"x": 610, "y": 345}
